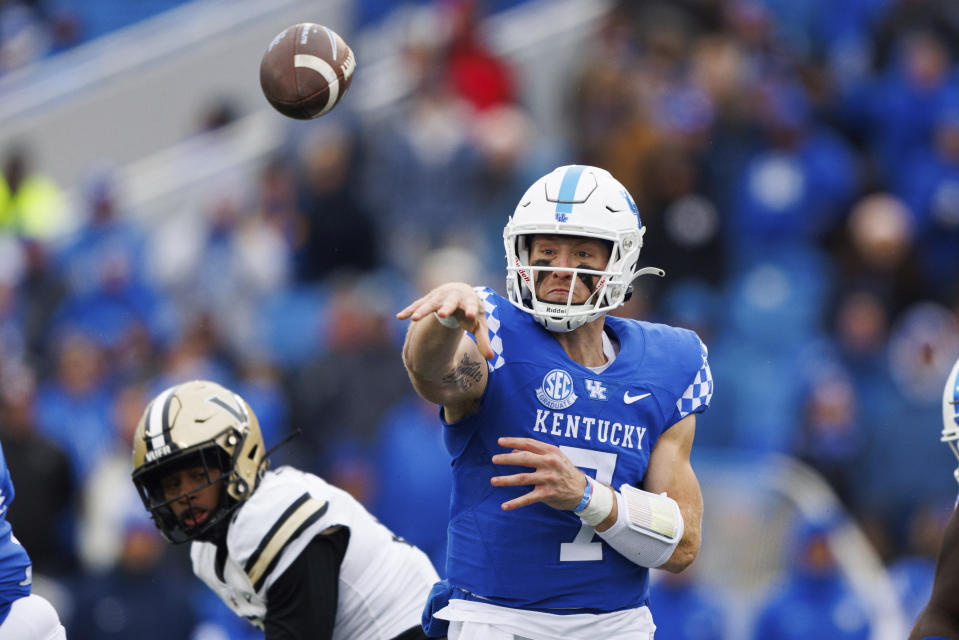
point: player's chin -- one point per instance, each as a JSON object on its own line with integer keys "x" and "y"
{"x": 564, "y": 298}
{"x": 555, "y": 297}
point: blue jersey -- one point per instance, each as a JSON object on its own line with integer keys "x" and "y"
{"x": 14, "y": 561}
{"x": 607, "y": 423}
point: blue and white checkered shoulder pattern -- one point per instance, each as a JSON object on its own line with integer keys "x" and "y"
{"x": 493, "y": 324}
{"x": 698, "y": 394}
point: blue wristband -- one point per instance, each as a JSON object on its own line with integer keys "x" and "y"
{"x": 587, "y": 494}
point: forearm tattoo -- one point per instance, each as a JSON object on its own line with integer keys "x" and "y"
{"x": 465, "y": 374}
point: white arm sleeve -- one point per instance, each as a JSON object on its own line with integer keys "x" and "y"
{"x": 648, "y": 526}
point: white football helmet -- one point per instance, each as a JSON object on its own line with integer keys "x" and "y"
{"x": 575, "y": 200}
{"x": 950, "y": 414}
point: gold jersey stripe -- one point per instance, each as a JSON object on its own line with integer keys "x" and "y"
{"x": 290, "y": 525}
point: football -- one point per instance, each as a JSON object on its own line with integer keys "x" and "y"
{"x": 306, "y": 70}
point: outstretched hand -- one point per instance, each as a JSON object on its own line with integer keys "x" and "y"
{"x": 556, "y": 481}
{"x": 459, "y": 301}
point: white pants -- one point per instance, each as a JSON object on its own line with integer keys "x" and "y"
{"x": 32, "y": 617}
{"x": 473, "y": 620}
{"x": 467, "y": 630}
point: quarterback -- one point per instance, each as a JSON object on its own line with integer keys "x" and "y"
{"x": 22, "y": 614}
{"x": 940, "y": 619}
{"x": 570, "y": 430}
{"x": 300, "y": 558}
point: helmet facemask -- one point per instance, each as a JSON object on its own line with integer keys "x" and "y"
{"x": 609, "y": 287}
{"x": 212, "y": 462}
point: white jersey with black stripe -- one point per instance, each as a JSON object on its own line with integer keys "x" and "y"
{"x": 383, "y": 582}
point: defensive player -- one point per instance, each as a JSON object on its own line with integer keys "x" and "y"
{"x": 298, "y": 557}
{"x": 595, "y": 412}
{"x": 940, "y": 619}
{"x": 22, "y": 614}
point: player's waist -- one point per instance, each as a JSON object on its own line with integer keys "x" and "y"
{"x": 463, "y": 594}
{"x": 539, "y": 581}
{"x": 630, "y": 624}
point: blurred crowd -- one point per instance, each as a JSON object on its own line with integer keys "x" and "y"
{"x": 796, "y": 166}
{"x": 31, "y": 30}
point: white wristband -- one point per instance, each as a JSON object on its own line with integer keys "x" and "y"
{"x": 600, "y": 504}
{"x": 449, "y": 322}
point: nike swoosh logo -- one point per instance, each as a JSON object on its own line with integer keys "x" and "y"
{"x": 628, "y": 399}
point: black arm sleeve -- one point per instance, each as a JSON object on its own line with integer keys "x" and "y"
{"x": 301, "y": 604}
{"x": 941, "y": 616}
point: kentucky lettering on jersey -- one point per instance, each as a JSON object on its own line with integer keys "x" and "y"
{"x": 569, "y": 425}
{"x": 607, "y": 424}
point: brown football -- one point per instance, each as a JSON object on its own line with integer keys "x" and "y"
{"x": 306, "y": 70}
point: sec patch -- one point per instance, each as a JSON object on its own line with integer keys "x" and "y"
{"x": 556, "y": 391}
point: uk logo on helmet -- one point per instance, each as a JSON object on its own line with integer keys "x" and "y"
{"x": 567, "y": 192}
{"x": 556, "y": 392}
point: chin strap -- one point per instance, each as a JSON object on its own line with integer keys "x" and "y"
{"x": 217, "y": 533}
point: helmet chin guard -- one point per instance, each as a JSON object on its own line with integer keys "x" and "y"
{"x": 581, "y": 201}
{"x": 950, "y": 414}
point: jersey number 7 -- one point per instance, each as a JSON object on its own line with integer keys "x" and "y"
{"x": 582, "y": 547}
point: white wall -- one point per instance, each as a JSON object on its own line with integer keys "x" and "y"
{"x": 125, "y": 96}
